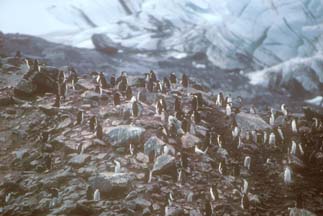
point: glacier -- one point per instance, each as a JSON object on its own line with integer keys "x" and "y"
{"x": 235, "y": 35}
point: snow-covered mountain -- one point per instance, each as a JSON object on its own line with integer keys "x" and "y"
{"x": 244, "y": 34}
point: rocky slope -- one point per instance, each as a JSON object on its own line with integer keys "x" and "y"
{"x": 52, "y": 162}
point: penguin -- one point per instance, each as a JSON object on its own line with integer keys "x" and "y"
{"x": 253, "y": 110}
{"x": 128, "y": 93}
{"x": 135, "y": 109}
{"x": 196, "y": 117}
{"x": 116, "y": 99}
{"x": 150, "y": 85}
{"x": 79, "y": 117}
{"x": 208, "y": 208}
{"x": 89, "y": 192}
{"x": 57, "y": 102}
{"x": 179, "y": 175}
{"x": 177, "y": 104}
{"x": 228, "y": 110}
{"x": 185, "y": 125}
{"x": 93, "y": 122}
{"x": 245, "y": 201}
{"x": 61, "y": 77}
{"x": 272, "y": 139}
{"x": 166, "y": 83}
{"x": 131, "y": 149}
{"x": 102, "y": 81}
{"x": 294, "y": 126}
{"x": 299, "y": 201}
{"x": 247, "y": 162}
{"x": 284, "y": 110}
{"x": 113, "y": 80}
{"x": 184, "y": 160}
{"x": 172, "y": 78}
{"x": 200, "y": 151}
{"x": 245, "y": 187}
{"x": 194, "y": 103}
{"x": 236, "y": 170}
{"x": 99, "y": 132}
{"x": 159, "y": 86}
{"x": 220, "y": 100}
{"x": 98, "y": 90}
{"x": 179, "y": 115}
{"x": 36, "y": 66}
{"x": 48, "y": 161}
{"x": 25, "y": 67}
{"x": 117, "y": 167}
{"x": 213, "y": 192}
{"x": 287, "y": 176}
{"x": 272, "y": 117}
{"x": 64, "y": 89}
{"x": 18, "y": 54}
{"x": 152, "y": 76}
{"x": 44, "y": 137}
{"x": 190, "y": 196}
{"x": 222, "y": 168}
{"x": 159, "y": 107}
{"x": 184, "y": 80}
{"x": 97, "y": 195}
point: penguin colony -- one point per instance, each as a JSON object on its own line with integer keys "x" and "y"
{"x": 225, "y": 150}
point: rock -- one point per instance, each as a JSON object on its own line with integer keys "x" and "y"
{"x": 153, "y": 144}
{"x": 123, "y": 135}
{"x": 65, "y": 123}
{"x": 142, "y": 157}
{"x": 20, "y": 154}
{"x": 174, "y": 121}
{"x": 300, "y": 212}
{"x": 104, "y": 44}
{"x": 25, "y": 88}
{"x": 248, "y": 122}
{"x": 112, "y": 185}
{"x": 141, "y": 203}
{"x": 6, "y": 101}
{"x": 175, "y": 211}
{"x": 90, "y": 95}
{"x": 164, "y": 164}
{"x": 189, "y": 141}
{"x": 85, "y": 84}
{"x": 79, "y": 160}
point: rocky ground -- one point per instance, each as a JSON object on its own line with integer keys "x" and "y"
{"x": 58, "y": 175}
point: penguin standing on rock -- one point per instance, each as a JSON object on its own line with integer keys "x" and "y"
{"x": 128, "y": 93}
{"x": 99, "y": 131}
{"x": 194, "y": 103}
{"x": 102, "y": 81}
{"x": 79, "y": 117}
{"x": 152, "y": 76}
{"x": 185, "y": 80}
{"x": 177, "y": 104}
{"x": 135, "y": 109}
{"x": 113, "y": 80}
{"x": 116, "y": 99}
{"x": 93, "y": 123}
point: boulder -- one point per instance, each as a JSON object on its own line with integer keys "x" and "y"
{"x": 85, "y": 84}
{"x": 164, "y": 164}
{"x": 38, "y": 83}
{"x": 104, "y": 44}
{"x": 123, "y": 135}
{"x": 189, "y": 141}
{"x": 90, "y": 95}
{"x": 248, "y": 122}
{"x": 79, "y": 160}
{"x": 112, "y": 185}
{"x": 153, "y": 144}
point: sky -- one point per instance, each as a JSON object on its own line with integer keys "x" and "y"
{"x": 19, "y": 16}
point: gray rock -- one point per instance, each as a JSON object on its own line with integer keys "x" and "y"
{"x": 90, "y": 95}
{"x": 104, "y": 44}
{"x": 20, "y": 154}
{"x": 189, "y": 141}
{"x": 153, "y": 144}
{"x": 112, "y": 185}
{"x": 164, "y": 164}
{"x": 123, "y": 135}
{"x": 79, "y": 160}
{"x": 247, "y": 121}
